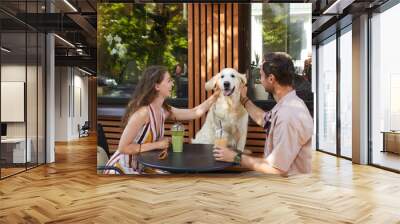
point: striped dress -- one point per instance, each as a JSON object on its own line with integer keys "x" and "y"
{"x": 128, "y": 163}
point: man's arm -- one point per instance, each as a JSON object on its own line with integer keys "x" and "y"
{"x": 256, "y": 113}
{"x": 253, "y": 163}
{"x": 260, "y": 165}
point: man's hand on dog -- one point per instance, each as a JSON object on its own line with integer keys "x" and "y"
{"x": 224, "y": 154}
{"x": 243, "y": 91}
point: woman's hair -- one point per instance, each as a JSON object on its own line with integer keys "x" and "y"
{"x": 145, "y": 91}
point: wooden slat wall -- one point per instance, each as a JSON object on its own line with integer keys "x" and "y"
{"x": 213, "y": 35}
{"x": 213, "y": 39}
{"x": 190, "y": 63}
{"x": 112, "y": 129}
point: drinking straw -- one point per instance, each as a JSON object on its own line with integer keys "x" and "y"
{"x": 220, "y": 125}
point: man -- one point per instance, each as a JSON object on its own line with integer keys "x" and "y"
{"x": 307, "y": 68}
{"x": 289, "y": 125}
{"x": 180, "y": 81}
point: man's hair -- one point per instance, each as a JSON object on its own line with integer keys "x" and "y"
{"x": 281, "y": 66}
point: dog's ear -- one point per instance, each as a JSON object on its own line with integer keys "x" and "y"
{"x": 242, "y": 77}
{"x": 210, "y": 84}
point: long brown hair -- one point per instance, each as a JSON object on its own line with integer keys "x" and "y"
{"x": 145, "y": 91}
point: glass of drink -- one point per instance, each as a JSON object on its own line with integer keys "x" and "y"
{"x": 220, "y": 138}
{"x": 177, "y": 132}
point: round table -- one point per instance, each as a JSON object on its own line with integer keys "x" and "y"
{"x": 195, "y": 158}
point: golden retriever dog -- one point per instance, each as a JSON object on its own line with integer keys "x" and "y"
{"x": 227, "y": 112}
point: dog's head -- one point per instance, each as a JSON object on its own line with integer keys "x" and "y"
{"x": 228, "y": 80}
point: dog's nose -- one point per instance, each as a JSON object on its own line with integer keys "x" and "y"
{"x": 226, "y": 84}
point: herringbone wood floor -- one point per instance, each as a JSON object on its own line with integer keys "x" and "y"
{"x": 69, "y": 191}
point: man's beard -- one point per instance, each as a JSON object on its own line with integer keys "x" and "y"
{"x": 269, "y": 90}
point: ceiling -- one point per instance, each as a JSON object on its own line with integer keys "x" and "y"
{"x": 76, "y": 22}
{"x": 329, "y": 15}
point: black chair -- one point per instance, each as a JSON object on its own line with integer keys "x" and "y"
{"x": 86, "y": 126}
{"x": 102, "y": 143}
{"x": 84, "y": 130}
{"x": 101, "y": 139}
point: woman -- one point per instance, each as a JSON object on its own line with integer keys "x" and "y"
{"x": 144, "y": 119}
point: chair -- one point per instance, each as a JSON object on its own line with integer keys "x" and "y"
{"x": 103, "y": 152}
{"x": 102, "y": 159}
{"x": 84, "y": 130}
{"x": 101, "y": 139}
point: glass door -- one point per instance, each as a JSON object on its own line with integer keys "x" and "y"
{"x": 326, "y": 96}
{"x": 346, "y": 92}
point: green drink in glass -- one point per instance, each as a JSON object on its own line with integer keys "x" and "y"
{"x": 177, "y": 132}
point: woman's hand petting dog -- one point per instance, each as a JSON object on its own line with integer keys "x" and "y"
{"x": 216, "y": 93}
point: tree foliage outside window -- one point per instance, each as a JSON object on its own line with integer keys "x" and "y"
{"x": 132, "y": 37}
{"x": 283, "y": 30}
{"x": 275, "y": 28}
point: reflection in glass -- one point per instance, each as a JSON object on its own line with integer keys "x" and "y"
{"x": 14, "y": 150}
{"x": 22, "y": 78}
{"x": 281, "y": 27}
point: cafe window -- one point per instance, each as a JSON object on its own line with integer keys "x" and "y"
{"x": 132, "y": 37}
{"x": 286, "y": 28}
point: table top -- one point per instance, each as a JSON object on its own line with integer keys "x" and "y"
{"x": 194, "y": 158}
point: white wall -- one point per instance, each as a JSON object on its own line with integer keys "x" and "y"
{"x": 61, "y": 103}
{"x": 71, "y": 94}
{"x": 14, "y": 73}
{"x": 80, "y": 83}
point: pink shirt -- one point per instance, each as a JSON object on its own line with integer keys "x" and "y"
{"x": 288, "y": 143}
